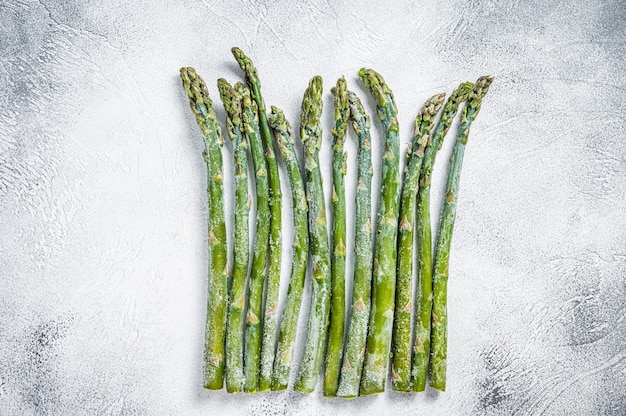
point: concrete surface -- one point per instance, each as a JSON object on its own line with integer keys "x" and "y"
{"x": 103, "y": 207}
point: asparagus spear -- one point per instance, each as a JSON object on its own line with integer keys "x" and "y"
{"x": 231, "y": 98}
{"x": 383, "y": 288}
{"x": 401, "y": 365}
{"x": 357, "y": 330}
{"x": 442, "y": 253}
{"x": 289, "y": 322}
{"x": 275, "y": 197}
{"x": 334, "y": 349}
{"x": 202, "y": 107}
{"x": 311, "y": 135}
{"x": 422, "y": 317}
{"x": 259, "y": 267}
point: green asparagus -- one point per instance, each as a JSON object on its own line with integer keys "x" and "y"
{"x": 352, "y": 364}
{"x": 421, "y": 345}
{"x": 383, "y": 288}
{"x": 401, "y": 364}
{"x": 442, "y": 253}
{"x": 202, "y": 107}
{"x": 259, "y": 267}
{"x": 275, "y": 242}
{"x": 231, "y": 98}
{"x": 311, "y": 135}
{"x": 334, "y": 349}
{"x": 289, "y": 321}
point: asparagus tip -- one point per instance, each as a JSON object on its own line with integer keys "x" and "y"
{"x": 239, "y": 87}
{"x": 310, "y": 126}
{"x": 199, "y": 99}
{"x": 276, "y": 117}
{"x": 342, "y": 113}
{"x": 238, "y": 53}
{"x": 316, "y": 82}
{"x": 280, "y": 124}
{"x": 231, "y": 99}
{"x": 246, "y": 64}
{"x": 437, "y": 100}
{"x": 482, "y": 85}
{"x": 372, "y": 79}
{"x": 341, "y": 87}
{"x": 226, "y": 92}
{"x": 312, "y": 102}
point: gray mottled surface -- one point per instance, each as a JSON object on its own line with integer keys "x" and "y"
{"x": 102, "y": 206}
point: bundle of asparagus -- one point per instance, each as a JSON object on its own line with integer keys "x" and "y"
{"x": 379, "y": 323}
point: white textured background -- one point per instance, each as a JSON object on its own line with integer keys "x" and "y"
{"x": 103, "y": 207}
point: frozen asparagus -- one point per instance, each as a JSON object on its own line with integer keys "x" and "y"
{"x": 231, "y": 98}
{"x": 334, "y": 350}
{"x": 401, "y": 364}
{"x": 421, "y": 346}
{"x": 352, "y": 363}
{"x": 202, "y": 107}
{"x": 259, "y": 267}
{"x": 311, "y": 135}
{"x": 289, "y": 321}
{"x": 439, "y": 337}
{"x": 270, "y": 315}
{"x": 383, "y": 288}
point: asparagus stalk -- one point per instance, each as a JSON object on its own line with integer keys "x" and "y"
{"x": 231, "y": 98}
{"x": 289, "y": 321}
{"x": 334, "y": 349}
{"x": 311, "y": 135}
{"x": 357, "y": 330}
{"x": 401, "y": 364}
{"x": 275, "y": 197}
{"x": 259, "y": 267}
{"x": 442, "y": 253}
{"x": 383, "y": 288}
{"x": 202, "y": 107}
{"x": 422, "y": 318}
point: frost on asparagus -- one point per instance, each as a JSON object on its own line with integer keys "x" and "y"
{"x": 421, "y": 347}
{"x": 275, "y": 242}
{"x": 401, "y": 364}
{"x": 334, "y": 349}
{"x": 442, "y": 254}
{"x": 287, "y": 336}
{"x": 231, "y": 98}
{"x": 352, "y": 362}
{"x": 311, "y": 135}
{"x": 383, "y": 288}
{"x": 259, "y": 269}
{"x": 202, "y": 107}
